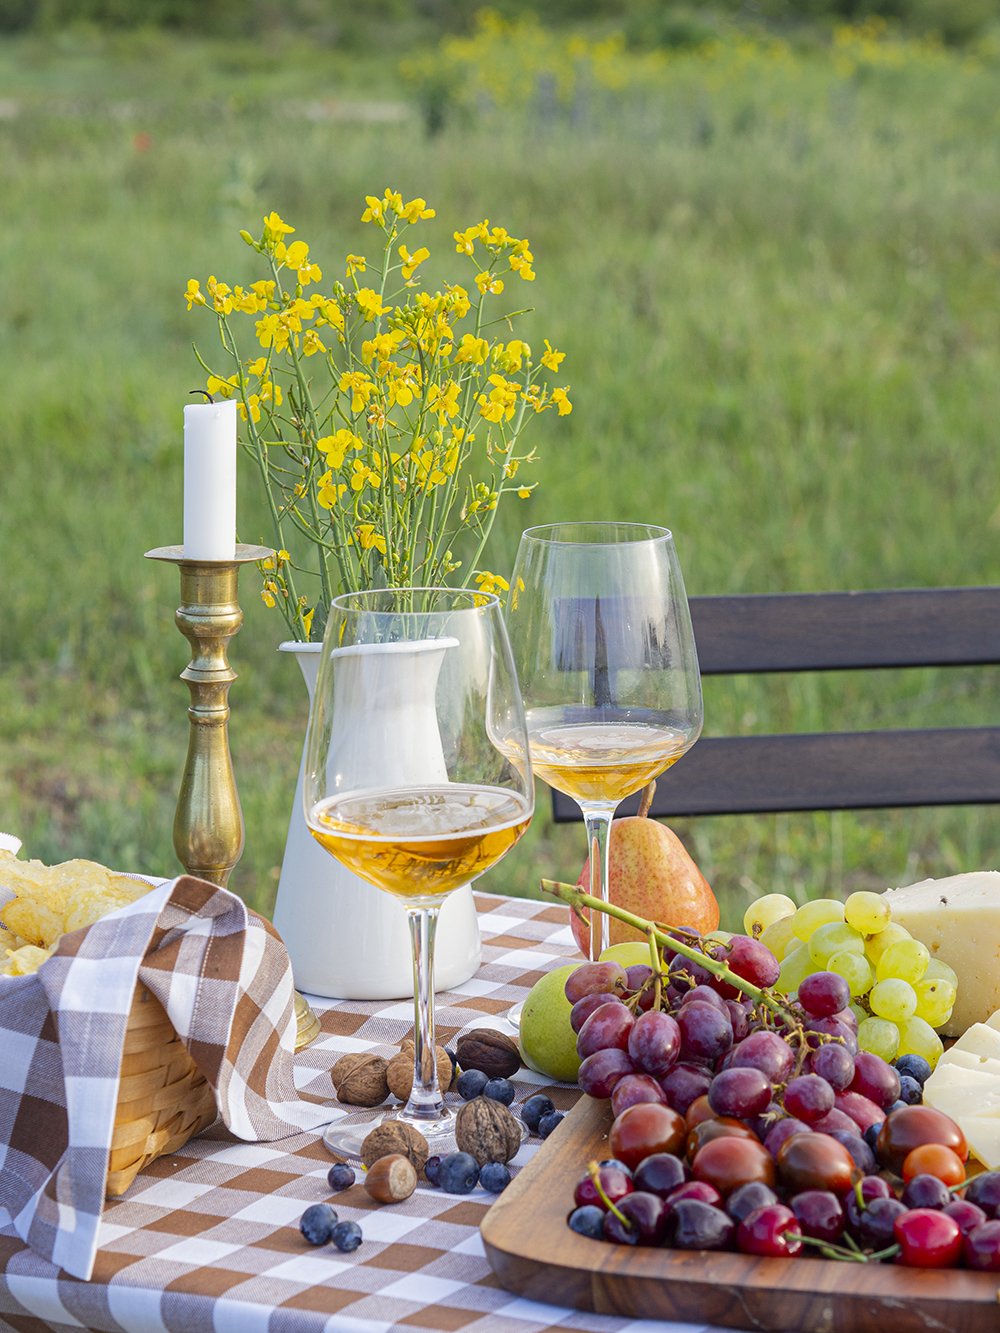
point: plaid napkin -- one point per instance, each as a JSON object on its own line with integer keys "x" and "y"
{"x": 222, "y": 974}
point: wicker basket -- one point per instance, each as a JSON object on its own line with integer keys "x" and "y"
{"x": 163, "y": 1099}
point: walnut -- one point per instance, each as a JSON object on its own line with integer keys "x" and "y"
{"x": 487, "y": 1131}
{"x": 493, "y": 1053}
{"x": 400, "y": 1071}
{"x": 360, "y": 1079}
{"x": 395, "y": 1136}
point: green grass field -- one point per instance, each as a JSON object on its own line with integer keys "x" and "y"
{"x": 777, "y": 282}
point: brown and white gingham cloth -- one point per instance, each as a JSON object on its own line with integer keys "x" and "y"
{"x": 222, "y": 974}
{"x": 207, "y": 1240}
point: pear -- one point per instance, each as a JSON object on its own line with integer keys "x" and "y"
{"x": 652, "y": 875}
{"x": 546, "y": 1039}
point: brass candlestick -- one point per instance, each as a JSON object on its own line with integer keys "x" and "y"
{"x": 208, "y": 825}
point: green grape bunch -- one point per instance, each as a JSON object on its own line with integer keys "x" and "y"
{"x": 899, "y": 994}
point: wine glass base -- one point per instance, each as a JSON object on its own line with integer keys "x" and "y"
{"x": 345, "y": 1137}
{"x": 513, "y": 1015}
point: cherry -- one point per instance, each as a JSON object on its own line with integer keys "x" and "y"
{"x": 820, "y": 1214}
{"x": 928, "y": 1239}
{"x": 698, "y": 1111}
{"x": 772, "y": 1231}
{"x": 659, "y": 1174}
{"x": 984, "y": 1192}
{"x": 966, "y": 1214}
{"x": 643, "y": 1130}
{"x": 693, "y": 1225}
{"x": 926, "y": 1192}
{"x": 646, "y": 1217}
{"x": 875, "y": 1225}
{"x": 694, "y": 1189}
{"x": 615, "y": 1184}
{"x": 982, "y": 1247}
{"x": 744, "y": 1200}
{"x": 728, "y": 1163}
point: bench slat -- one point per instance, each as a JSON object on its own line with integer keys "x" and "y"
{"x": 861, "y": 770}
{"x": 830, "y": 631}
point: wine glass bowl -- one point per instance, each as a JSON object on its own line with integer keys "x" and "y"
{"x": 417, "y": 775}
{"x": 601, "y": 634}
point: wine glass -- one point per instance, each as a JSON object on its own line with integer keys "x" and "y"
{"x": 417, "y": 776}
{"x": 601, "y": 633}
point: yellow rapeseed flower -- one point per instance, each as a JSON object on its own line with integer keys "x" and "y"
{"x": 369, "y": 536}
{"x": 486, "y": 282}
{"x": 356, "y": 264}
{"x": 336, "y": 446}
{"x": 491, "y": 582}
{"x": 417, "y": 208}
{"x": 275, "y": 229}
{"x": 472, "y": 349}
{"x": 312, "y": 343}
{"x": 361, "y": 388}
{"x": 370, "y": 304}
{"x": 563, "y": 403}
{"x": 193, "y": 293}
{"x": 412, "y": 262}
{"x": 552, "y": 359}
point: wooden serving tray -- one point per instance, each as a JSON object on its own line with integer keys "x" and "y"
{"x": 534, "y": 1253}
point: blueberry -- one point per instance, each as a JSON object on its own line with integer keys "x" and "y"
{"x": 896, "y": 1106}
{"x": 619, "y": 1166}
{"x": 534, "y": 1108}
{"x": 914, "y": 1065}
{"x": 588, "y": 1221}
{"x": 346, "y": 1236}
{"x": 871, "y": 1134}
{"x": 340, "y": 1177}
{"x": 471, "y": 1084}
{"x": 549, "y": 1122}
{"x": 317, "y": 1223}
{"x": 431, "y": 1169}
{"x": 499, "y": 1090}
{"x": 910, "y": 1090}
{"x": 494, "y": 1177}
{"x": 458, "y": 1173}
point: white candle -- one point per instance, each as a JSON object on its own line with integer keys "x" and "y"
{"x": 210, "y": 480}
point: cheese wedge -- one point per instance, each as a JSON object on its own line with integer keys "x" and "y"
{"x": 958, "y": 918}
{"x": 981, "y": 1041}
{"x": 965, "y": 1060}
{"x": 983, "y": 1137}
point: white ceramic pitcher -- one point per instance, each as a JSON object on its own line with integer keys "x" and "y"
{"x": 346, "y": 938}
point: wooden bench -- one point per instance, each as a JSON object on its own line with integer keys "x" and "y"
{"x": 835, "y": 631}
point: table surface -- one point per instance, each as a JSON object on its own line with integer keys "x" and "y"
{"x": 207, "y": 1240}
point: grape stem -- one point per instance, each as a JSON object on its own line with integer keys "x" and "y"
{"x": 568, "y": 893}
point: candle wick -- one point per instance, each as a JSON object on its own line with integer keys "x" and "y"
{"x": 205, "y": 392}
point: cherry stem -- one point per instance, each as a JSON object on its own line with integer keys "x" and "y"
{"x": 595, "y": 1175}
{"x": 568, "y": 893}
{"x": 833, "y": 1251}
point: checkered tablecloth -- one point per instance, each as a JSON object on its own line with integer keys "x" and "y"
{"x": 207, "y": 1240}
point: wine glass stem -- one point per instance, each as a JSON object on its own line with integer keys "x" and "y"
{"x": 598, "y": 824}
{"x": 425, "y": 1100}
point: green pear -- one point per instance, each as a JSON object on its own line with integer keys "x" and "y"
{"x": 628, "y": 954}
{"x": 546, "y": 1040}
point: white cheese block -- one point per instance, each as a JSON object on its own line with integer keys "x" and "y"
{"x": 965, "y": 1060}
{"x": 962, "y": 1102}
{"x": 982, "y": 1134}
{"x": 980, "y": 1041}
{"x": 958, "y": 918}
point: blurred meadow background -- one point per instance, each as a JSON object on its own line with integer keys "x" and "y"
{"x": 766, "y": 237}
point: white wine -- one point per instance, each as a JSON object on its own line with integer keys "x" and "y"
{"x": 600, "y": 761}
{"x": 423, "y": 842}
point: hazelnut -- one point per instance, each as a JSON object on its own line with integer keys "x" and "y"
{"x": 391, "y": 1179}
{"x": 360, "y": 1080}
{"x": 399, "y": 1074}
{"x": 493, "y": 1053}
